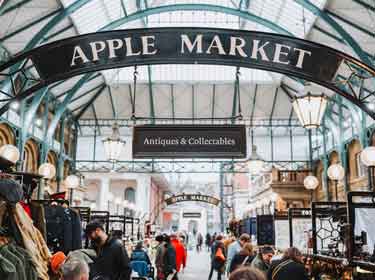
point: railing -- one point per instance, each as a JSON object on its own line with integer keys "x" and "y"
{"x": 289, "y": 176}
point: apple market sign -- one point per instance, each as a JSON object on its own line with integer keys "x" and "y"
{"x": 192, "y": 197}
{"x": 123, "y": 48}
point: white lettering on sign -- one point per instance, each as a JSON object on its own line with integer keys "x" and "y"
{"x": 204, "y": 44}
{"x": 185, "y": 41}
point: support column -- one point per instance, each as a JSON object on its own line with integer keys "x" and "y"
{"x": 103, "y": 194}
{"x": 60, "y": 160}
{"x": 342, "y": 146}
{"x": 325, "y": 164}
{"x": 222, "y": 227}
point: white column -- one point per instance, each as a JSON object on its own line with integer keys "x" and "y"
{"x": 143, "y": 193}
{"x": 103, "y": 194}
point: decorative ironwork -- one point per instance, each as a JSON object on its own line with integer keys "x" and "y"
{"x": 180, "y": 166}
{"x": 328, "y": 228}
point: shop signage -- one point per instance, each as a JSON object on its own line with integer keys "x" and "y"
{"x": 167, "y": 141}
{"x": 192, "y": 215}
{"x": 192, "y": 197}
{"x": 121, "y": 48}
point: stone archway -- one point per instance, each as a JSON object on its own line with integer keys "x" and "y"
{"x": 31, "y": 156}
{"x": 6, "y": 135}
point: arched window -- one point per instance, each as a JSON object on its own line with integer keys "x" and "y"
{"x": 130, "y": 195}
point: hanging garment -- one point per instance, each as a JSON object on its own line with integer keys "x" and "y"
{"x": 17, "y": 262}
{"x": 7, "y": 269}
{"x": 39, "y": 218}
{"x": 33, "y": 242}
{"x": 55, "y": 216}
{"x": 11, "y": 190}
{"x": 28, "y": 264}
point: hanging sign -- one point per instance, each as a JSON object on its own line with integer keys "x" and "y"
{"x": 121, "y": 48}
{"x": 194, "y": 215}
{"x": 202, "y": 141}
{"x": 192, "y": 197}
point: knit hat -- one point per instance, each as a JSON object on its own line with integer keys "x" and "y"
{"x": 11, "y": 190}
{"x": 57, "y": 260}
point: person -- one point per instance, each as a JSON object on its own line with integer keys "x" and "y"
{"x": 159, "y": 257}
{"x": 199, "y": 242}
{"x": 169, "y": 260}
{"x": 139, "y": 254}
{"x": 208, "y": 241}
{"x": 235, "y": 247}
{"x": 180, "y": 252}
{"x": 217, "y": 263}
{"x": 263, "y": 259}
{"x": 289, "y": 267}
{"x": 112, "y": 261}
{"x": 247, "y": 273}
{"x": 243, "y": 258}
{"x": 75, "y": 269}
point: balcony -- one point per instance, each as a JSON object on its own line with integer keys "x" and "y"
{"x": 289, "y": 184}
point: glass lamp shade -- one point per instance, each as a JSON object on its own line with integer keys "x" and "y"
{"x": 311, "y": 182}
{"x": 125, "y": 204}
{"x": 113, "y": 145}
{"x": 255, "y": 163}
{"x": 118, "y": 200}
{"x": 93, "y": 205}
{"x": 310, "y": 109}
{"x": 336, "y": 172}
{"x": 10, "y": 152}
{"x": 72, "y": 181}
{"x": 47, "y": 170}
{"x": 368, "y": 156}
{"x": 131, "y": 206}
{"x": 110, "y": 197}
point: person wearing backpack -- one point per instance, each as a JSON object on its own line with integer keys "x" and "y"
{"x": 218, "y": 257}
{"x": 289, "y": 267}
{"x": 243, "y": 258}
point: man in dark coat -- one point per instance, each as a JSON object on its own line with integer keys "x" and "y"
{"x": 112, "y": 262}
{"x": 169, "y": 259}
{"x": 289, "y": 267}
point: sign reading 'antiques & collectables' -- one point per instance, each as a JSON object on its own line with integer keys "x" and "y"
{"x": 217, "y": 141}
{"x": 192, "y": 197}
{"x": 121, "y": 48}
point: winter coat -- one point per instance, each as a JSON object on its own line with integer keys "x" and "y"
{"x": 287, "y": 269}
{"x": 260, "y": 264}
{"x": 233, "y": 249}
{"x": 238, "y": 260}
{"x": 180, "y": 254}
{"x": 112, "y": 262}
{"x": 159, "y": 256}
{"x": 217, "y": 264}
{"x": 140, "y": 255}
{"x": 169, "y": 259}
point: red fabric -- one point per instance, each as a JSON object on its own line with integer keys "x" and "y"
{"x": 26, "y": 207}
{"x": 180, "y": 254}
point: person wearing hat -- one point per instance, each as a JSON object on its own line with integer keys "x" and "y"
{"x": 263, "y": 260}
{"x": 112, "y": 262}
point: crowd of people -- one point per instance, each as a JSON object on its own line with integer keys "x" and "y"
{"x": 234, "y": 258}
{"x": 238, "y": 259}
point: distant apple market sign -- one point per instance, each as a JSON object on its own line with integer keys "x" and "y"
{"x": 185, "y": 141}
{"x": 192, "y": 197}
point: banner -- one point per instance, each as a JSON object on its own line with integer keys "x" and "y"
{"x": 192, "y": 197}
{"x": 121, "y": 48}
{"x": 191, "y": 215}
{"x": 184, "y": 141}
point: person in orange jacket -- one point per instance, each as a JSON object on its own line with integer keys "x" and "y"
{"x": 180, "y": 252}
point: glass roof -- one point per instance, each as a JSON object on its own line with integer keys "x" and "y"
{"x": 287, "y": 13}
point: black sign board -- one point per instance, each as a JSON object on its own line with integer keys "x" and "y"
{"x": 202, "y": 141}
{"x": 192, "y": 215}
{"x": 192, "y": 197}
{"x": 121, "y": 48}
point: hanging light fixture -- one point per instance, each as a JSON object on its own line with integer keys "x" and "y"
{"x": 255, "y": 163}
{"x": 47, "y": 170}
{"x": 310, "y": 109}
{"x": 113, "y": 145}
{"x": 10, "y": 153}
